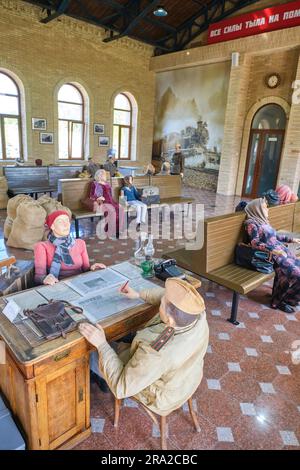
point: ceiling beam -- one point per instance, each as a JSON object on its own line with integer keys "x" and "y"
{"x": 200, "y": 22}
{"x": 215, "y": 19}
{"x": 135, "y": 21}
{"x": 59, "y": 11}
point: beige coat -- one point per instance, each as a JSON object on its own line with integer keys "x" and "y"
{"x": 162, "y": 380}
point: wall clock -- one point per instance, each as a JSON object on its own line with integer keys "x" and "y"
{"x": 272, "y": 80}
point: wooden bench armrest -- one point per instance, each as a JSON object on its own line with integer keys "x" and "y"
{"x": 5, "y": 263}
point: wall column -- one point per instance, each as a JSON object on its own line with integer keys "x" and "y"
{"x": 289, "y": 172}
{"x": 233, "y": 127}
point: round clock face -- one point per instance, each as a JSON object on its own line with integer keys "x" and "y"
{"x": 273, "y": 80}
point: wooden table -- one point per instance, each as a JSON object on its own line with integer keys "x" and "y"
{"x": 48, "y": 387}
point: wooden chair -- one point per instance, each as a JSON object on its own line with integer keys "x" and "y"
{"x": 162, "y": 425}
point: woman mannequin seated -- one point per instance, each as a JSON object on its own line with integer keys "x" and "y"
{"x": 262, "y": 236}
{"x": 61, "y": 255}
{"x": 113, "y": 212}
{"x": 95, "y": 199}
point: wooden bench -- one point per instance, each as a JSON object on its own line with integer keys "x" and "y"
{"x": 296, "y": 222}
{"x": 215, "y": 260}
{"x": 34, "y": 180}
{"x": 170, "y": 188}
{"x": 73, "y": 191}
{"x": 57, "y": 172}
{"x": 31, "y": 180}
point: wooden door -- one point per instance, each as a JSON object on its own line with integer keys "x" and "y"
{"x": 62, "y": 403}
{"x": 263, "y": 159}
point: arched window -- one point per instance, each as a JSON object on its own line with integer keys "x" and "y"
{"x": 270, "y": 116}
{"x": 122, "y": 133}
{"x": 70, "y": 123}
{"x": 10, "y": 119}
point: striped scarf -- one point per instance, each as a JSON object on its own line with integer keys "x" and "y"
{"x": 62, "y": 253}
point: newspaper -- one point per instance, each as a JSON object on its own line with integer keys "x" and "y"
{"x": 107, "y": 302}
{"x": 128, "y": 270}
{"x": 27, "y": 300}
{"x": 95, "y": 281}
{"x": 60, "y": 291}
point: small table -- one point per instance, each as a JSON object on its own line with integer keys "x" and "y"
{"x": 18, "y": 280}
{"x": 33, "y": 191}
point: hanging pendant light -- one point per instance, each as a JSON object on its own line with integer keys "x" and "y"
{"x": 160, "y": 11}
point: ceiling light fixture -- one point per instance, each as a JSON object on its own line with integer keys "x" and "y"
{"x": 160, "y": 11}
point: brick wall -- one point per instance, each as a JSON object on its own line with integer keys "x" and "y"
{"x": 44, "y": 57}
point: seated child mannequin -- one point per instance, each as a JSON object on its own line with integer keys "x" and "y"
{"x": 133, "y": 199}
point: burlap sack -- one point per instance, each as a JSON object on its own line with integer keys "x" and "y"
{"x": 7, "y": 226}
{"x": 3, "y": 184}
{"x": 31, "y": 214}
{"x": 3, "y": 200}
{"x": 50, "y": 205}
{"x": 14, "y": 202}
{"x": 22, "y": 236}
{"x": 3, "y": 192}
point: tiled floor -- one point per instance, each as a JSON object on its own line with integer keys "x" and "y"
{"x": 249, "y": 397}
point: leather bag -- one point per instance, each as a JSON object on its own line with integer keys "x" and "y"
{"x": 254, "y": 259}
{"x": 150, "y": 195}
{"x": 52, "y": 319}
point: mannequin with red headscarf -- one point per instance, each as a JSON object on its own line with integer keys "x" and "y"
{"x": 61, "y": 255}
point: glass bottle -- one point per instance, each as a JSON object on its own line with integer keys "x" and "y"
{"x": 149, "y": 248}
{"x": 139, "y": 255}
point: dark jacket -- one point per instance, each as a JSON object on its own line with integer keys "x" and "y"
{"x": 177, "y": 163}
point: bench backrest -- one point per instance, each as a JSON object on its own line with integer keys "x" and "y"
{"x": 282, "y": 217}
{"x": 62, "y": 172}
{"x": 26, "y": 176}
{"x": 169, "y": 185}
{"x": 138, "y": 181}
{"x": 296, "y": 222}
{"x": 73, "y": 191}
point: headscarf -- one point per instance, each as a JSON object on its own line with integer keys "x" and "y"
{"x": 257, "y": 211}
{"x": 241, "y": 206}
{"x": 285, "y": 194}
{"x": 98, "y": 173}
{"x": 272, "y": 198}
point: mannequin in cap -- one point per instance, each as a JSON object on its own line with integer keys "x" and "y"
{"x": 61, "y": 255}
{"x": 164, "y": 364}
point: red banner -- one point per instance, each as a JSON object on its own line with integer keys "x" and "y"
{"x": 262, "y": 21}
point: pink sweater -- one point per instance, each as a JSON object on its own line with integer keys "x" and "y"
{"x": 43, "y": 256}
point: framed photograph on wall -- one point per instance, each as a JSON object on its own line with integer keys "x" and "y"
{"x": 103, "y": 141}
{"x": 98, "y": 128}
{"x": 46, "y": 138}
{"x": 39, "y": 124}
